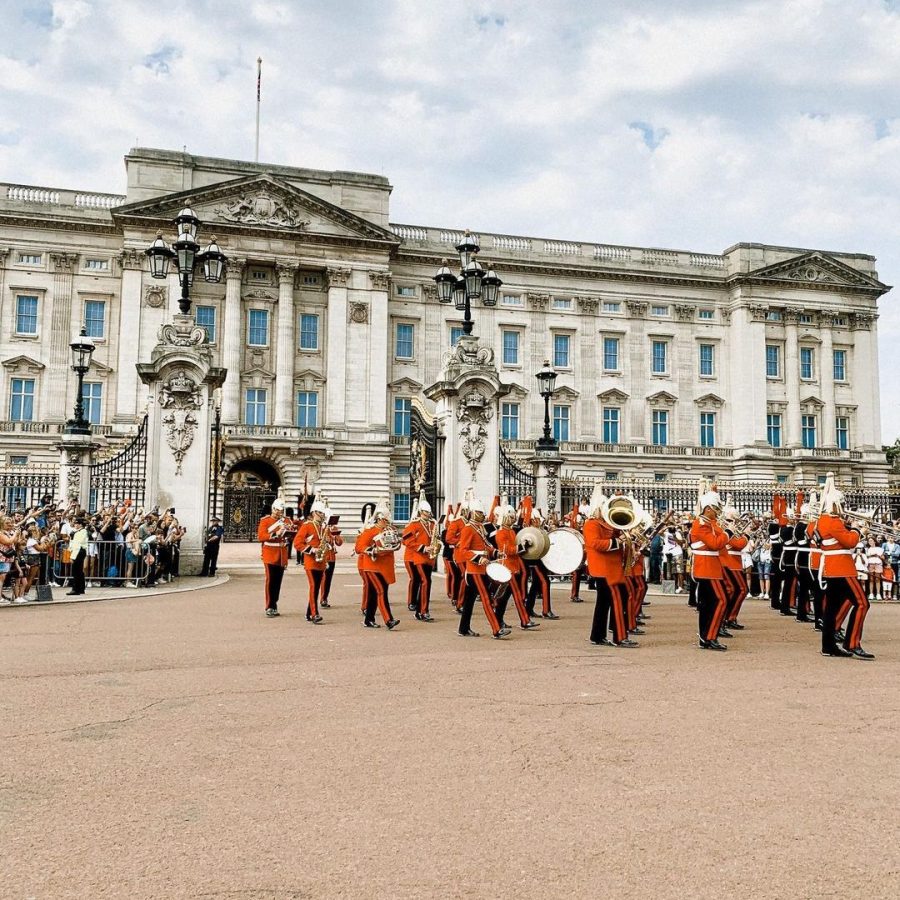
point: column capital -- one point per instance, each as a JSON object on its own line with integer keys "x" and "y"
{"x": 63, "y": 262}
{"x": 637, "y": 309}
{"x": 862, "y": 321}
{"x": 757, "y": 311}
{"x": 234, "y": 268}
{"x": 685, "y": 312}
{"x": 381, "y": 281}
{"x": 538, "y": 301}
{"x": 4, "y": 252}
{"x": 131, "y": 258}
{"x": 588, "y": 305}
{"x": 337, "y": 277}
{"x": 286, "y": 272}
{"x": 791, "y": 317}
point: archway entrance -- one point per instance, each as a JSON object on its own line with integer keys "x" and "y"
{"x": 250, "y": 487}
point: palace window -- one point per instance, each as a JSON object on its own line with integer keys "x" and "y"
{"x": 840, "y": 365}
{"x": 658, "y": 364}
{"x": 456, "y": 332}
{"x": 805, "y": 319}
{"x": 31, "y": 259}
{"x": 26, "y": 314}
{"x": 92, "y": 398}
{"x": 561, "y": 303}
{"x": 808, "y": 432}
{"x": 255, "y": 401}
{"x": 707, "y": 429}
{"x": 707, "y": 359}
{"x": 510, "y": 348}
{"x": 611, "y": 476}
{"x": 97, "y": 265}
{"x": 405, "y": 340}
{"x": 205, "y": 317}
{"x": 406, "y": 290}
{"x": 21, "y": 400}
{"x": 511, "y": 300}
{"x": 659, "y": 310}
{"x": 611, "y": 306}
{"x": 561, "y": 355}
{"x": 611, "y": 415}
{"x": 842, "y": 432}
{"x": 561, "y": 422}
{"x": 706, "y": 314}
{"x": 660, "y": 435}
{"x": 773, "y": 315}
{"x": 402, "y": 413}
{"x": 307, "y": 409}
{"x": 258, "y": 328}
{"x": 773, "y": 361}
{"x": 95, "y": 318}
{"x": 309, "y": 331}
{"x": 773, "y": 429}
{"x": 610, "y": 354}
{"x": 401, "y": 507}
{"x": 807, "y": 360}
{"x": 509, "y": 421}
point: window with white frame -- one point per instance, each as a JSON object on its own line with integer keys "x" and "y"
{"x": 402, "y": 415}
{"x": 659, "y": 310}
{"x": 805, "y": 319}
{"x": 511, "y": 300}
{"x": 562, "y": 303}
{"x": 611, "y": 476}
{"x": 706, "y": 314}
{"x": 31, "y": 259}
{"x": 255, "y": 402}
{"x": 401, "y": 471}
{"x": 561, "y": 351}
{"x": 309, "y": 331}
{"x": 456, "y": 332}
{"x": 707, "y": 429}
{"x": 509, "y": 421}
{"x": 310, "y": 279}
{"x": 26, "y": 314}
{"x": 510, "y": 348}
{"x": 610, "y": 354}
{"x": 611, "y": 416}
{"x": 611, "y": 306}
{"x": 840, "y": 365}
{"x": 707, "y": 360}
{"x": 307, "y": 409}
{"x": 773, "y": 315}
{"x": 21, "y": 400}
{"x": 205, "y": 317}
{"x": 842, "y": 432}
{"x": 773, "y": 429}
{"x": 97, "y": 265}
{"x": 659, "y": 364}
{"x": 18, "y": 460}
{"x": 660, "y": 429}
{"x": 95, "y": 318}
{"x": 773, "y": 361}
{"x": 807, "y": 363}
{"x": 260, "y": 275}
{"x": 405, "y": 290}
{"x": 561, "y": 418}
{"x": 808, "y": 432}
{"x": 401, "y": 507}
{"x": 92, "y": 398}
{"x": 404, "y": 342}
{"x": 258, "y": 328}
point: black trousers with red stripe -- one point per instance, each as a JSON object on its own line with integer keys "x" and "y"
{"x": 314, "y": 578}
{"x": 515, "y": 587}
{"x": 838, "y": 593}
{"x": 477, "y": 586}
{"x": 326, "y": 583}
{"x": 540, "y": 583}
{"x": 609, "y": 611}
{"x": 418, "y": 594}
{"x": 775, "y": 579}
{"x": 712, "y": 603}
{"x": 453, "y": 576}
{"x": 375, "y": 593}
{"x": 274, "y": 575}
{"x": 736, "y": 591}
{"x": 788, "y": 589}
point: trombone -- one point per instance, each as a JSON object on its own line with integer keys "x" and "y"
{"x": 871, "y": 523}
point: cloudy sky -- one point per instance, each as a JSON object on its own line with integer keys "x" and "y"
{"x": 676, "y": 123}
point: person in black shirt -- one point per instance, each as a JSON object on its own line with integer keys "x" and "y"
{"x": 211, "y": 546}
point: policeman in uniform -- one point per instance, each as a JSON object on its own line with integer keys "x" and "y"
{"x": 273, "y": 533}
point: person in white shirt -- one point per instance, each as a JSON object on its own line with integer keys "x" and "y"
{"x": 875, "y": 565}
{"x": 78, "y": 548}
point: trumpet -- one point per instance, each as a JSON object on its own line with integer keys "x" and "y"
{"x": 871, "y": 523}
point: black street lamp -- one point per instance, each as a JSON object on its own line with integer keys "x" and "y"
{"x": 471, "y": 284}
{"x": 82, "y": 350}
{"x": 546, "y": 385}
{"x": 187, "y": 253}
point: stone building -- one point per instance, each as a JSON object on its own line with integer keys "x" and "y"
{"x": 760, "y": 363}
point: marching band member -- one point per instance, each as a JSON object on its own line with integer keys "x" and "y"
{"x": 420, "y": 549}
{"x": 788, "y": 564}
{"x": 576, "y": 521}
{"x": 707, "y": 539}
{"x": 475, "y": 550}
{"x": 539, "y": 575}
{"x": 336, "y": 540}
{"x": 375, "y": 545}
{"x": 776, "y": 523}
{"x": 815, "y": 561}
{"x": 449, "y": 537}
{"x": 505, "y": 540}
{"x": 734, "y": 582}
{"x": 272, "y": 533}
{"x": 842, "y": 588}
{"x": 313, "y": 542}
{"x": 454, "y": 533}
{"x": 805, "y": 581}
{"x": 605, "y": 566}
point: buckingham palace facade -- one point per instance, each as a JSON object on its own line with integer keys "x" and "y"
{"x": 758, "y": 363}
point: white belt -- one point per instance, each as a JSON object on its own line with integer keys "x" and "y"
{"x": 836, "y": 552}
{"x": 706, "y": 553}
{"x": 273, "y": 544}
{"x": 734, "y": 552}
{"x": 829, "y": 542}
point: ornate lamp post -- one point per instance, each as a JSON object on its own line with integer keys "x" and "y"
{"x": 547, "y": 385}
{"x": 471, "y": 284}
{"x": 186, "y": 251}
{"x": 82, "y": 350}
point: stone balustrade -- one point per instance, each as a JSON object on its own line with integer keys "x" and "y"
{"x": 27, "y": 194}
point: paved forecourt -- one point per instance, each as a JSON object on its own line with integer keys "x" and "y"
{"x": 183, "y": 745}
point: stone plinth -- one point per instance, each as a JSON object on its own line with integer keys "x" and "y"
{"x": 75, "y": 458}
{"x": 547, "y": 465}
{"x": 466, "y": 396}
{"x": 181, "y": 379}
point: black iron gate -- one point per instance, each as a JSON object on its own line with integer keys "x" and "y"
{"x": 425, "y": 460}
{"x": 243, "y": 505}
{"x": 122, "y": 477}
{"x": 515, "y": 481}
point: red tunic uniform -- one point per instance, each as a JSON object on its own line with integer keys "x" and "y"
{"x": 473, "y": 545}
{"x": 307, "y": 541}
{"x": 273, "y": 549}
{"x": 415, "y": 538}
{"x": 603, "y": 550}
{"x": 837, "y": 545}
{"x": 383, "y": 563}
{"x": 707, "y": 539}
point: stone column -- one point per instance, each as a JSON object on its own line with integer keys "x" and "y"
{"x": 232, "y": 329}
{"x": 181, "y": 379}
{"x": 336, "y": 363}
{"x": 746, "y": 353}
{"x": 466, "y": 395}
{"x": 130, "y": 303}
{"x": 686, "y": 372}
{"x": 586, "y": 378}
{"x": 541, "y": 349}
{"x": 792, "y": 378}
{"x": 638, "y": 371}
{"x": 380, "y": 343}
{"x": 75, "y": 458}
{"x": 829, "y": 435}
{"x": 285, "y": 346}
{"x": 865, "y": 380}
{"x": 62, "y": 329}
{"x": 4, "y": 314}
{"x": 546, "y": 466}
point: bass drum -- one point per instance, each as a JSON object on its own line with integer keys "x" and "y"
{"x": 566, "y": 552}
{"x": 496, "y": 571}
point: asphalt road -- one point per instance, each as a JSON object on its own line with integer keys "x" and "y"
{"x": 183, "y": 745}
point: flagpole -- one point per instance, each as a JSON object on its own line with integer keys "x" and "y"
{"x": 258, "y": 85}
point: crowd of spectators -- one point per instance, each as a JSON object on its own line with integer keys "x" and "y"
{"x": 61, "y": 544}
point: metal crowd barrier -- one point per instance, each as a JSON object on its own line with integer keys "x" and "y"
{"x": 109, "y": 564}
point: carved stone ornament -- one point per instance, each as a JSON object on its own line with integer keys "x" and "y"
{"x": 130, "y": 258}
{"x": 260, "y": 294}
{"x": 429, "y": 291}
{"x": 156, "y": 296}
{"x": 179, "y": 397}
{"x": 469, "y": 353}
{"x": 358, "y": 313}
{"x": 637, "y": 309}
{"x": 791, "y": 317}
{"x": 63, "y": 262}
{"x": 726, "y": 316}
{"x": 381, "y": 281}
{"x": 685, "y": 312}
{"x": 757, "y": 311}
{"x": 262, "y": 209}
{"x": 862, "y": 321}
{"x": 538, "y": 301}
{"x": 474, "y": 413}
{"x": 552, "y": 482}
{"x": 182, "y": 332}
{"x": 588, "y": 305}
{"x": 337, "y": 277}
{"x": 418, "y": 460}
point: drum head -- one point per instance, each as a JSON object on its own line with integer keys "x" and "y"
{"x": 566, "y": 551}
{"x": 496, "y": 571}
